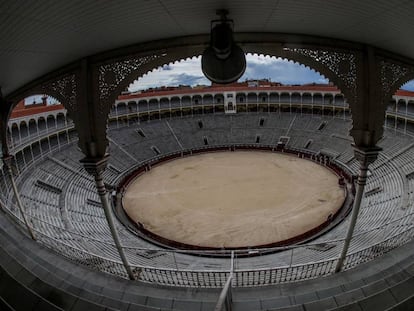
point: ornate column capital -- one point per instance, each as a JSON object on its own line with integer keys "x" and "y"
{"x": 95, "y": 166}
{"x": 366, "y": 155}
{"x": 7, "y": 160}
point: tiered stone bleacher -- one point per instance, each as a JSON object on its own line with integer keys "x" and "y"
{"x": 65, "y": 210}
{"x": 85, "y": 225}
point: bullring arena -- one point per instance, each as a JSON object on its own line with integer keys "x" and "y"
{"x": 153, "y": 148}
{"x": 233, "y": 200}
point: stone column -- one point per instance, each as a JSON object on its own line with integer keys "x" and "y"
{"x": 96, "y": 167}
{"x": 365, "y": 157}
{"x": 7, "y": 160}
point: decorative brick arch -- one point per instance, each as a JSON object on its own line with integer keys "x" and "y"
{"x": 114, "y": 77}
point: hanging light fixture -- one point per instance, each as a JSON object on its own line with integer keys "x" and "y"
{"x": 223, "y": 61}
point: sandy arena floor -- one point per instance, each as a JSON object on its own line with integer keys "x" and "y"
{"x": 233, "y": 199}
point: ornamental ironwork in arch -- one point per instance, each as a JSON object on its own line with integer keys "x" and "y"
{"x": 392, "y": 76}
{"x": 112, "y": 74}
{"x": 64, "y": 90}
{"x": 339, "y": 66}
{"x": 115, "y": 76}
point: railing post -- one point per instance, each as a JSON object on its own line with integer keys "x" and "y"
{"x": 229, "y": 296}
{"x": 365, "y": 157}
{"x": 175, "y": 260}
{"x": 232, "y": 263}
{"x": 8, "y": 162}
{"x": 96, "y": 167}
{"x": 225, "y": 298}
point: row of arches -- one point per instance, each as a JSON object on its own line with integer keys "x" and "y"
{"x": 22, "y": 128}
{"x": 401, "y": 105}
{"x": 178, "y": 101}
{"x": 37, "y": 148}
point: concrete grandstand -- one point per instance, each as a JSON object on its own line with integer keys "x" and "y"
{"x": 66, "y": 215}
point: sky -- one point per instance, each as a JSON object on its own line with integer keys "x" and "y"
{"x": 188, "y": 72}
{"x": 258, "y": 67}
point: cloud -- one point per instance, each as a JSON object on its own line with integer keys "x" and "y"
{"x": 38, "y": 99}
{"x": 184, "y": 72}
{"x": 186, "y": 79}
{"x": 280, "y": 71}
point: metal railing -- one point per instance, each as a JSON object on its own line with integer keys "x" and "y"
{"x": 218, "y": 277}
{"x": 168, "y": 272}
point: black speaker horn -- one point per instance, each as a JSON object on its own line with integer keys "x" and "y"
{"x": 223, "y": 61}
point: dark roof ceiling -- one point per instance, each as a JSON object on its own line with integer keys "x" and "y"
{"x": 41, "y": 35}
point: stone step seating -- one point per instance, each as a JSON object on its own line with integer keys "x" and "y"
{"x": 332, "y": 126}
{"x": 281, "y": 121}
{"x": 185, "y": 124}
{"x": 166, "y": 144}
{"x": 305, "y": 123}
{"x": 346, "y": 156}
{"x": 5, "y": 186}
{"x": 340, "y": 145}
{"x": 82, "y": 188}
{"x": 297, "y": 141}
{"x": 142, "y": 150}
{"x": 369, "y": 287}
{"x": 390, "y": 179}
{"x": 118, "y": 158}
{"x": 191, "y": 140}
{"x": 238, "y": 121}
{"x": 51, "y": 283}
{"x": 223, "y": 136}
{"x": 353, "y": 165}
{"x": 393, "y": 145}
{"x": 47, "y": 186}
{"x": 78, "y": 193}
{"x": 221, "y": 122}
{"x": 405, "y": 161}
{"x": 155, "y": 129}
{"x": 372, "y": 191}
{"x": 266, "y": 135}
{"x": 42, "y": 209}
{"x": 56, "y": 175}
{"x": 109, "y": 177}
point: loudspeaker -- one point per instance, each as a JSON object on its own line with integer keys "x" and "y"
{"x": 223, "y": 61}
